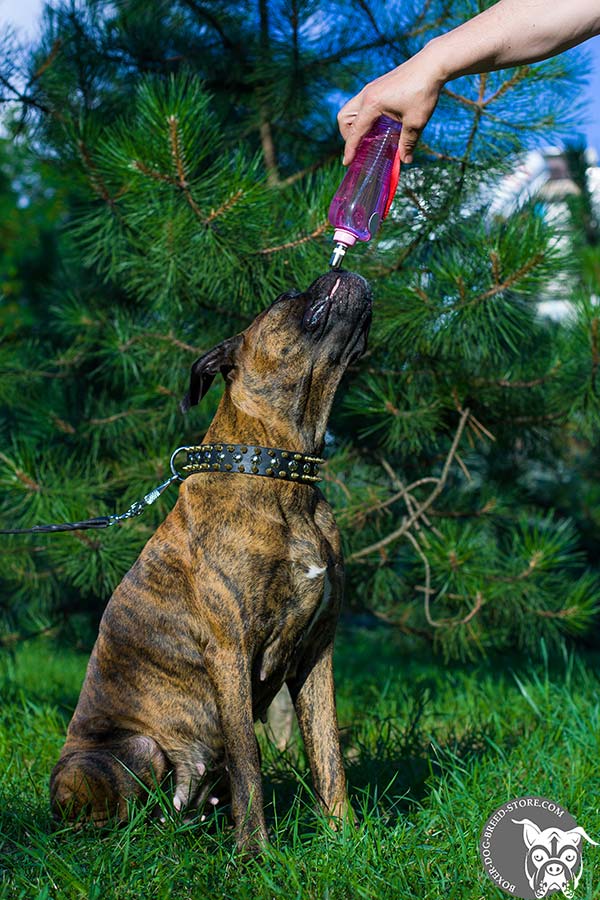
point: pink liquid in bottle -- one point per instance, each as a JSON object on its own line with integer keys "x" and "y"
{"x": 365, "y": 195}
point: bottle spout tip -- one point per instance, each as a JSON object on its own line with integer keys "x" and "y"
{"x": 339, "y": 251}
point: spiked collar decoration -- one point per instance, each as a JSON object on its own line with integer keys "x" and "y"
{"x": 246, "y": 459}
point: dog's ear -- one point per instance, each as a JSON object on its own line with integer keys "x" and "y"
{"x": 220, "y": 359}
{"x": 577, "y": 833}
{"x": 530, "y": 831}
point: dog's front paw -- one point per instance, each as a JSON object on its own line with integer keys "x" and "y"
{"x": 251, "y": 842}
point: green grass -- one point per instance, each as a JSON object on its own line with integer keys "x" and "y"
{"x": 431, "y": 751}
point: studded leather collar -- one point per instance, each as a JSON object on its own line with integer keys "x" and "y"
{"x": 247, "y": 459}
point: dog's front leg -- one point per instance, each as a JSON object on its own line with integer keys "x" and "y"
{"x": 231, "y": 680}
{"x": 313, "y": 694}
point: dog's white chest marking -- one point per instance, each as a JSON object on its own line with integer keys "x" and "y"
{"x": 325, "y": 597}
{"x": 315, "y": 571}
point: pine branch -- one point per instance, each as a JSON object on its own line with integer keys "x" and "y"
{"x": 424, "y": 506}
{"x": 508, "y": 282}
{"x": 25, "y": 479}
{"x": 214, "y": 22}
{"x": 224, "y": 207}
{"x": 531, "y": 567}
{"x": 124, "y": 414}
{"x": 290, "y": 244}
{"x": 401, "y": 625}
{"x": 178, "y": 162}
{"x": 428, "y": 593}
{"x": 96, "y": 181}
{"x": 487, "y": 507}
{"x": 154, "y": 173}
{"x": 268, "y": 148}
{"x": 521, "y": 73}
{"x": 47, "y": 63}
{"x": 314, "y": 167}
{"x": 595, "y": 351}
{"x": 507, "y": 383}
{"x": 166, "y": 338}
{"x": 18, "y": 637}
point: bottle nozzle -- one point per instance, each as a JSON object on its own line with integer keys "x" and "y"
{"x": 339, "y": 251}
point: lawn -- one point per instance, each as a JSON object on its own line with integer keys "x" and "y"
{"x": 431, "y": 751}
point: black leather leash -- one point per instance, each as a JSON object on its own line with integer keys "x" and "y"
{"x": 242, "y": 459}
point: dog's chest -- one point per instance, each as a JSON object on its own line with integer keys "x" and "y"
{"x": 296, "y": 621}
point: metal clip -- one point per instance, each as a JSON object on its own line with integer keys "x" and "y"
{"x": 174, "y": 470}
{"x": 137, "y": 508}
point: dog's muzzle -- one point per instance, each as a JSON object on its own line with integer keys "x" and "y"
{"x": 340, "y": 299}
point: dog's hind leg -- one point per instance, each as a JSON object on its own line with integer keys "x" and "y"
{"x": 94, "y": 784}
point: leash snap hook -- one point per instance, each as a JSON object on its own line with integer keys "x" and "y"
{"x": 176, "y": 474}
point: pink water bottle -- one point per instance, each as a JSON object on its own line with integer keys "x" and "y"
{"x": 364, "y": 197}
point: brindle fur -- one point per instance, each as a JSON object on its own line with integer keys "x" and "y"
{"x": 218, "y": 612}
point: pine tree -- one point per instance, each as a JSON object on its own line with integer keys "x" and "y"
{"x": 199, "y": 146}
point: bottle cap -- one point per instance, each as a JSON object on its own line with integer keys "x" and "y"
{"x": 341, "y": 236}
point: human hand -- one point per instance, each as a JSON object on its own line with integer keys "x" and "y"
{"x": 408, "y": 93}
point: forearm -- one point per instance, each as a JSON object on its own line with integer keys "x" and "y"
{"x": 514, "y": 32}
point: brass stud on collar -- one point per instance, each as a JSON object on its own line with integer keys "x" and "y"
{"x": 230, "y": 448}
{"x": 244, "y": 449}
{"x": 219, "y": 446}
{"x": 268, "y": 471}
{"x": 241, "y": 469}
{"x": 284, "y": 454}
{"x": 216, "y": 466}
{"x": 294, "y": 475}
{"x": 282, "y": 474}
{"x": 228, "y": 467}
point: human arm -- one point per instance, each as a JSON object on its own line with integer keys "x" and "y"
{"x": 510, "y": 33}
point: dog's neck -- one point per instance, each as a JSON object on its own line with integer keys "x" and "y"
{"x": 232, "y": 424}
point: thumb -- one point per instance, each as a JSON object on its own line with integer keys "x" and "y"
{"x": 359, "y": 128}
{"x": 409, "y": 137}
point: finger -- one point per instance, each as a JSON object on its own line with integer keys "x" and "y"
{"x": 347, "y": 116}
{"x": 345, "y": 123}
{"x": 361, "y": 126}
{"x": 409, "y": 138}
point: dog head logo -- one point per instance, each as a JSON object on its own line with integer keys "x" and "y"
{"x": 553, "y": 861}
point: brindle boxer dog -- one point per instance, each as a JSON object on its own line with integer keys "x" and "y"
{"x": 237, "y": 592}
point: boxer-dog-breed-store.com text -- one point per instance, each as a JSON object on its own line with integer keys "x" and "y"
{"x": 237, "y": 592}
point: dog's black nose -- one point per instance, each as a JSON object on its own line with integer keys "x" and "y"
{"x": 341, "y": 283}
{"x": 343, "y": 291}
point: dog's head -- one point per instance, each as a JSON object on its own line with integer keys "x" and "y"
{"x": 285, "y": 367}
{"x": 553, "y": 856}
